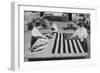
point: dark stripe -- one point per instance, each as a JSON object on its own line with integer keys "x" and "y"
{"x": 78, "y": 46}
{"x": 73, "y": 46}
{"x": 68, "y": 46}
{"x": 55, "y": 42}
{"x": 84, "y": 46}
{"x": 64, "y": 50}
{"x": 59, "y": 46}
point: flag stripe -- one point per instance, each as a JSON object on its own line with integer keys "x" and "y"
{"x": 64, "y": 45}
{"x": 84, "y": 46}
{"x": 73, "y": 47}
{"x": 68, "y": 46}
{"x": 78, "y": 46}
{"x": 59, "y": 46}
{"x": 64, "y": 50}
{"x": 55, "y": 42}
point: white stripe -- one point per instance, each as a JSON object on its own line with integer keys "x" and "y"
{"x": 76, "y": 48}
{"x": 66, "y": 46}
{"x": 57, "y": 43}
{"x": 80, "y": 46}
{"x": 61, "y": 49}
{"x": 70, "y": 43}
